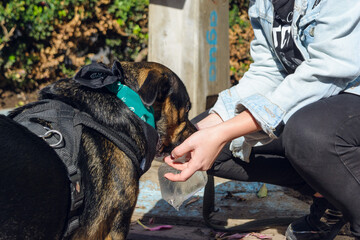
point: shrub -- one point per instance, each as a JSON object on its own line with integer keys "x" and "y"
{"x": 240, "y": 35}
{"x": 44, "y": 40}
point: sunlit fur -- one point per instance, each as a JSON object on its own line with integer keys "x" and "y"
{"x": 109, "y": 177}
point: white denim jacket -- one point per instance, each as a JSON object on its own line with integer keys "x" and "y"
{"x": 327, "y": 35}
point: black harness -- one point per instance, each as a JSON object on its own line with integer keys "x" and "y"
{"x": 64, "y": 137}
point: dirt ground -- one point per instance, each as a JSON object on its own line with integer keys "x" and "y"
{"x": 201, "y": 233}
{"x": 188, "y": 223}
{"x": 10, "y": 99}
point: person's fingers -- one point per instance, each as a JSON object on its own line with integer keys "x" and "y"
{"x": 181, "y": 177}
{"x": 177, "y": 165}
{"x": 168, "y": 159}
{"x": 181, "y": 150}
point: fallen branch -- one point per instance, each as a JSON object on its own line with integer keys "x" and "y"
{"x": 7, "y": 34}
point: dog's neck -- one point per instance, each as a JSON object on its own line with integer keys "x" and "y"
{"x": 133, "y": 101}
{"x": 146, "y": 114}
{"x": 98, "y": 75}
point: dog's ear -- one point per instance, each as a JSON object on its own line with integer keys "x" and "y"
{"x": 155, "y": 86}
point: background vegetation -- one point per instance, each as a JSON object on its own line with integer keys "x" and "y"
{"x": 240, "y": 36}
{"x": 43, "y": 40}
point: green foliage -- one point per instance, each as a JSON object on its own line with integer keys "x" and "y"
{"x": 28, "y": 27}
{"x": 237, "y": 8}
{"x": 43, "y": 40}
{"x": 240, "y": 36}
{"x": 131, "y": 16}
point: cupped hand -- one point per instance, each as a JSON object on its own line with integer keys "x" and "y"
{"x": 200, "y": 149}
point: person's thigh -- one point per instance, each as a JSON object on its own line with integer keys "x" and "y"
{"x": 322, "y": 141}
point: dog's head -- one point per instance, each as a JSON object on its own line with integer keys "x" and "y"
{"x": 156, "y": 85}
{"x": 162, "y": 89}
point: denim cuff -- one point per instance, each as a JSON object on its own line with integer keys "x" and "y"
{"x": 268, "y": 115}
{"x": 226, "y": 104}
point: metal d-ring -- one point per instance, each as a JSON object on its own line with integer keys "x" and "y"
{"x": 51, "y": 132}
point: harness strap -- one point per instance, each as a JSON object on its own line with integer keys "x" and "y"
{"x": 63, "y": 117}
{"x": 65, "y": 137}
{"x": 125, "y": 143}
{"x": 65, "y": 142}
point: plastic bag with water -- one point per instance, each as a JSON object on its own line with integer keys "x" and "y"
{"x": 176, "y": 193}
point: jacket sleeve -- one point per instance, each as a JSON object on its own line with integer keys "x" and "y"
{"x": 263, "y": 76}
{"x": 332, "y": 63}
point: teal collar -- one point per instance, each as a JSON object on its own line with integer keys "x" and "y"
{"x": 133, "y": 101}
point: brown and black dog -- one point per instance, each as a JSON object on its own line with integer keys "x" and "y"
{"x": 34, "y": 184}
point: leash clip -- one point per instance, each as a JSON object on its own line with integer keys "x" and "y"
{"x": 51, "y": 132}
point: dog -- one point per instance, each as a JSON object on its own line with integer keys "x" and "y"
{"x": 35, "y": 196}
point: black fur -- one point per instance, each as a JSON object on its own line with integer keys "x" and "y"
{"x": 35, "y": 198}
{"x": 33, "y": 185}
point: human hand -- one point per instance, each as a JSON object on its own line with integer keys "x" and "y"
{"x": 200, "y": 149}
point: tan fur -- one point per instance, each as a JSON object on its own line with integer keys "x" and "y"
{"x": 108, "y": 210}
{"x": 110, "y": 179}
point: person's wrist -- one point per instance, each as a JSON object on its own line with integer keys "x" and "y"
{"x": 240, "y": 125}
{"x": 211, "y": 120}
{"x": 223, "y": 136}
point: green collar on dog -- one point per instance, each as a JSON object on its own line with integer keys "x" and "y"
{"x": 133, "y": 101}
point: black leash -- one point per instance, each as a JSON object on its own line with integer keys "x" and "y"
{"x": 209, "y": 212}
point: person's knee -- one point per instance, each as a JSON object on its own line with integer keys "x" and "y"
{"x": 296, "y": 133}
{"x": 304, "y": 137}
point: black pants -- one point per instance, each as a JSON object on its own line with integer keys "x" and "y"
{"x": 319, "y": 151}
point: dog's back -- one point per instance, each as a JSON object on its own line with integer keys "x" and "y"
{"x": 33, "y": 185}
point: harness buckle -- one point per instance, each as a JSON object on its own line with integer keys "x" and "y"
{"x": 77, "y": 190}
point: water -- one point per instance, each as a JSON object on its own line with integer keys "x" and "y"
{"x": 176, "y": 193}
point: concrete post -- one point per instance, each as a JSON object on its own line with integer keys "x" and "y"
{"x": 191, "y": 38}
